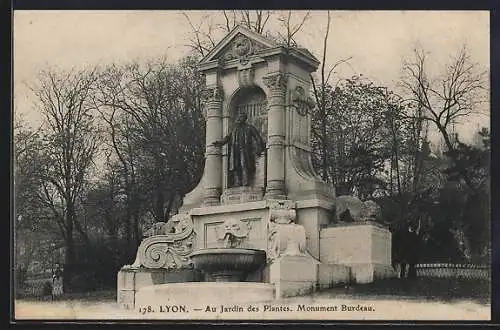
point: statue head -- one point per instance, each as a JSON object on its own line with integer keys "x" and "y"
{"x": 282, "y": 216}
{"x": 235, "y": 227}
{"x": 241, "y": 118}
{"x": 233, "y": 232}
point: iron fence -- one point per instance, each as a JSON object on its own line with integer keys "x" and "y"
{"x": 36, "y": 287}
{"x": 462, "y": 271}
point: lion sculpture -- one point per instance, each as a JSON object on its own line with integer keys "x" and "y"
{"x": 352, "y": 209}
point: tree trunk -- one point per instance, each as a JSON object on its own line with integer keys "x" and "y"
{"x": 159, "y": 205}
{"x": 128, "y": 231}
{"x": 453, "y": 155}
{"x": 137, "y": 235}
{"x": 324, "y": 161}
{"x": 396, "y": 159}
{"x": 70, "y": 255}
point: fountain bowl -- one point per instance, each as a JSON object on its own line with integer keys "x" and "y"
{"x": 228, "y": 264}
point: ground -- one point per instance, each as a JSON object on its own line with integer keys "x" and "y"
{"x": 422, "y": 299}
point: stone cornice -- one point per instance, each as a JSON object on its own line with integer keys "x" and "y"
{"x": 298, "y": 55}
{"x": 239, "y": 29}
{"x": 259, "y": 205}
{"x": 230, "y": 64}
{"x": 211, "y": 65}
{"x": 321, "y": 203}
{"x": 325, "y": 232}
{"x": 310, "y": 63}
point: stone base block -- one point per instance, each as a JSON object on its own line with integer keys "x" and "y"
{"x": 293, "y": 275}
{"x": 126, "y": 289}
{"x": 196, "y": 294}
{"x": 364, "y": 247}
{"x": 331, "y": 275}
{"x": 294, "y": 288}
{"x": 130, "y": 280}
{"x": 367, "y": 273}
{"x": 126, "y": 299}
{"x": 238, "y": 195}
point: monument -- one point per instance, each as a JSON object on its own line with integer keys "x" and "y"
{"x": 261, "y": 221}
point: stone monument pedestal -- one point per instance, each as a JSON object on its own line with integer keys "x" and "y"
{"x": 287, "y": 210}
{"x": 293, "y": 275}
{"x": 365, "y": 247}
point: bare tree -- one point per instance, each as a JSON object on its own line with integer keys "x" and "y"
{"x": 419, "y": 129}
{"x": 393, "y": 122}
{"x": 122, "y": 157}
{"x": 321, "y": 90}
{"x": 445, "y": 99}
{"x": 290, "y": 29}
{"x": 204, "y": 35}
{"x": 201, "y": 39}
{"x": 255, "y": 20}
{"x": 29, "y": 222}
{"x": 156, "y": 131}
{"x": 70, "y": 146}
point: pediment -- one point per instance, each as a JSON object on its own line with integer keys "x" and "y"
{"x": 240, "y": 43}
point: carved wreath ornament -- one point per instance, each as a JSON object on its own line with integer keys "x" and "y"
{"x": 242, "y": 47}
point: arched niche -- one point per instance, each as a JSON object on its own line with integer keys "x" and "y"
{"x": 252, "y": 101}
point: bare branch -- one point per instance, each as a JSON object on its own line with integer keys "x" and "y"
{"x": 263, "y": 25}
{"x": 298, "y": 27}
{"x": 342, "y": 61}
{"x": 228, "y": 27}
{"x": 196, "y": 43}
{"x": 325, "y": 43}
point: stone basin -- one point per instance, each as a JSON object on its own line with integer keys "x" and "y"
{"x": 228, "y": 264}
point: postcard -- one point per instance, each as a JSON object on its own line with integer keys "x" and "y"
{"x": 251, "y": 165}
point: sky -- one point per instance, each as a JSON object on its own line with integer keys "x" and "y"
{"x": 377, "y": 41}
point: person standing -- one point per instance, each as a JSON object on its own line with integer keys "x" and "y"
{"x": 410, "y": 251}
{"x": 57, "y": 283}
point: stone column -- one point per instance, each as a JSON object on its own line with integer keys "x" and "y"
{"x": 213, "y": 155}
{"x": 275, "y": 185}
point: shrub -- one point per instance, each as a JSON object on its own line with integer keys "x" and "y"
{"x": 47, "y": 289}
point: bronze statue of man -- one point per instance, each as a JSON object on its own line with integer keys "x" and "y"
{"x": 244, "y": 145}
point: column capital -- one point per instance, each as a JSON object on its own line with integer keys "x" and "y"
{"x": 213, "y": 93}
{"x": 276, "y": 81}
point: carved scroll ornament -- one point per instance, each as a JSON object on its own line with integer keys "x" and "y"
{"x": 169, "y": 250}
